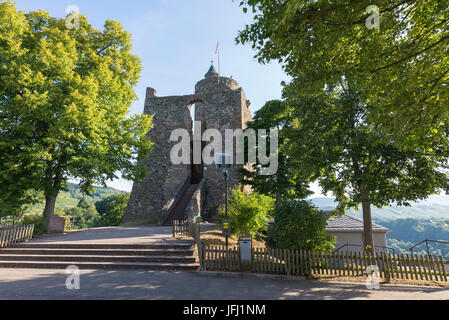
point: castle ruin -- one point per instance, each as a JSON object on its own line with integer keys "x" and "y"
{"x": 182, "y": 191}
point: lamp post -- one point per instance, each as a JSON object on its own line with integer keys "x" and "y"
{"x": 223, "y": 161}
{"x": 225, "y": 173}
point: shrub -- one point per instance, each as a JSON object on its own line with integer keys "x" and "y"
{"x": 299, "y": 225}
{"x": 40, "y": 225}
{"x": 68, "y": 226}
{"x": 84, "y": 218}
{"x": 112, "y": 209}
{"x": 248, "y": 212}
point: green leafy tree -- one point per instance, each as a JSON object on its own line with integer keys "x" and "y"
{"x": 358, "y": 163}
{"x": 401, "y": 66}
{"x": 16, "y": 200}
{"x": 248, "y": 212}
{"x": 15, "y": 169}
{"x": 112, "y": 209}
{"x": 299, "y": 225}
{"x": 286, "y": 182}
{"x": 83, "y": 217}
{"x": 64, "y": 101}
{"x": 83, "y": 203}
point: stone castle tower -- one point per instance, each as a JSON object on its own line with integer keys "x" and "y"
{"x": 181, "y": 191}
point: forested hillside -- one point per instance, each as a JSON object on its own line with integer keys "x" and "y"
{"x": 408, "y": 232}
{"x": 71, "y": 197}
{"x": 434, "y": 207}
{"x": 428, "y": 219}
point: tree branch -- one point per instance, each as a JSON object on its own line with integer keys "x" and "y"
{"x": 410, "y": 56}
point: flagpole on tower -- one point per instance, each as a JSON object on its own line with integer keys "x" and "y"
{"x": 217, "y": 52}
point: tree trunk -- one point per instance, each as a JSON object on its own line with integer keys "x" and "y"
{"x": 50, "y": 202}
{"x": 368, "y": 227}
{"x": 278, "y": 200}
{"x": 54, "y": 177}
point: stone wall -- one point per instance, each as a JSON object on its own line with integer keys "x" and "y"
{"x": 195, "y": 207}
{"x": 149, "y": 197}
{"x": 226, "y": 107}
{"x": 56, "y": 224}
{"x": 220, "y": 103}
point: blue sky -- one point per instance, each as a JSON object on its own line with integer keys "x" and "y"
{"x": 176, "y": 40}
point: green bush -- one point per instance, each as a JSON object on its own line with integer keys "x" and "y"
{"x": 112, "y": 209}
{"x": 68, "y": 226}
{"x": 299, "y": 225}
{"x": 40, "y": 225}
{"x": 248, "y": 212}
{"x": 84, "y": 218}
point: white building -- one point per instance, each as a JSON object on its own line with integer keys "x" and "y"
{"x": 349, "y": 233}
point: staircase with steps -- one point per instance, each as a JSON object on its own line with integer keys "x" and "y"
{"x": 178, "y": 212}
{"x": 161, "y": 257}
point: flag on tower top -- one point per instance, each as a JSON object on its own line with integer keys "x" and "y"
{"x": 218, "y": 48}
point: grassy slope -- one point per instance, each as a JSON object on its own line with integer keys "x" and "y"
{"x": 71, "y": 197}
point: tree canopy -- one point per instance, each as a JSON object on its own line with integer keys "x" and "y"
{"x": 401, "y": 67}
{"x": 64, "y": 101}
{"x": 112, "y": 209}
{"x": 286, "y": 183}
{"x": 336, "y": 145}
{"x": 299, "y": 225}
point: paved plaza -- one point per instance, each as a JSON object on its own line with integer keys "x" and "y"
{"x": 50, "y": 284}
{"x": 140, "y": 284}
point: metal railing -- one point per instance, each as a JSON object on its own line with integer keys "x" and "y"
{"x": 361, "y": 246}
{"x": 427, "y": 246}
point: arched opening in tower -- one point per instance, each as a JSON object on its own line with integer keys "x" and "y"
{"x": 197, "y": 145}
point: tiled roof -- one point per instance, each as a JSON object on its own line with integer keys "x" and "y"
{"x": 349, "y": 223}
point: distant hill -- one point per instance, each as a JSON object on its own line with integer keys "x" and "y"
{"x": 433, "y": 207}
{"x": 71, "y": 197}
{"x": 428, "y": 219}
{"x": 324, "y": 203}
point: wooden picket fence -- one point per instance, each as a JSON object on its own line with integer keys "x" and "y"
{"x": 11, "y": 234}
{"x": 301, "y": 262}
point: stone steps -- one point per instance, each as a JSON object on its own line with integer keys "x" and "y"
{"x": 100, "y": 246}
{"x": 178, "y": 212}
{"x": 100, "y": 252}
{"x": 168, "y": 257}
{"x": 99, "y": 265}
{"x": 96, "y": 258}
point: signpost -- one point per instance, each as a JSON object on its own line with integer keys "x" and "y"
{"x": 226, "y": 228}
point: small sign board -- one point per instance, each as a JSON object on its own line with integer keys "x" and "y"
{"x": 226, "y": 228}
{"x": 246, "y": 248}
